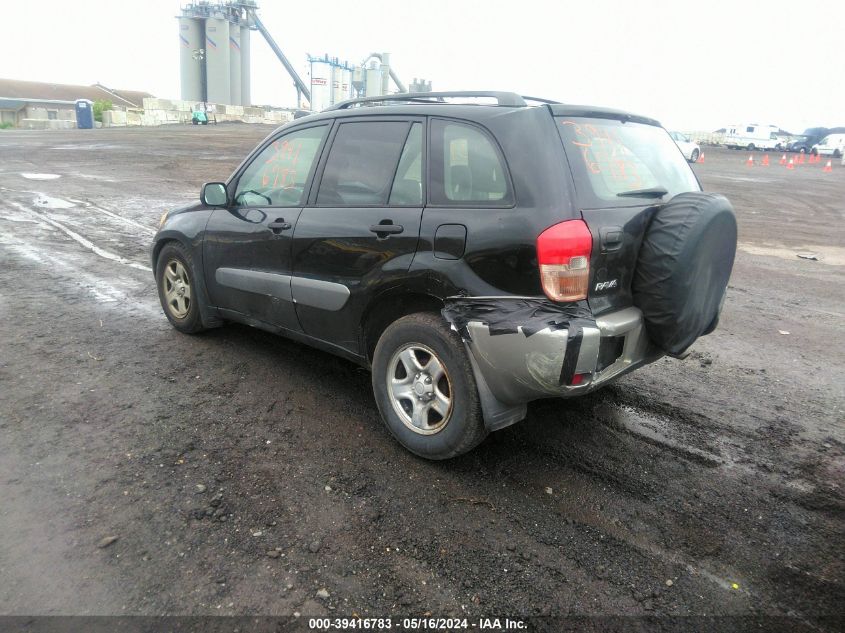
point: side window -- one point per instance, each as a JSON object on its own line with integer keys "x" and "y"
{"x": 750, "y": 129}
{"x": 362, "y": 163}
{"x": 407, "y": 187}
{"x": 465, "y": 167}
{"x": 277, "y": 176}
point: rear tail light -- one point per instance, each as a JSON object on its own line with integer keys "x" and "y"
{"x": 563, "y": 253}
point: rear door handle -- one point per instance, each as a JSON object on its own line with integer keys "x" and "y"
{"x": 386, "y": 229}
{"x": 279, "y": 225}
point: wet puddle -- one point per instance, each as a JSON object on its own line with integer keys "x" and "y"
{"x": 36, "y": 176}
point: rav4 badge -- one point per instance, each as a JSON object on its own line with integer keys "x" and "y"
{"x": 606, "y": 285}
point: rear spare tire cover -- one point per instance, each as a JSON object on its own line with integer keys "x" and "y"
{"x": 683, "y": 268}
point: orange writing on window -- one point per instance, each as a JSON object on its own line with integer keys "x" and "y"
{"x": 280, "y": 168}
{"x": 602, "y": 151}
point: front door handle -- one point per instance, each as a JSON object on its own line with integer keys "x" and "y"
{"x": 383, "y": 230}
{"x": 279, "y": 225}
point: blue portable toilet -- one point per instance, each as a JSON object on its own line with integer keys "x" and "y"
{"x": 84, "y": 114}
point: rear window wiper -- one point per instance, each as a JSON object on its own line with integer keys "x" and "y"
{"x": 653, "y": 192}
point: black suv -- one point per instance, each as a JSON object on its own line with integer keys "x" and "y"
{"x": 803, "y": 144}
{"x": 476, "y": 250}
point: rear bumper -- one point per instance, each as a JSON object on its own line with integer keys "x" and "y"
{"x": 516, "y": 368}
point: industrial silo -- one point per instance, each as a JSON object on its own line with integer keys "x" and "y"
{"x": 347, "y": 82}
{"x": 372, "y": 81}
{"x": 235, "y": 64}
{"x": 337, "y": 84}
{"x": 217, "y": 60}
{"x": 190, "y": 64}
{"x": 246, "y": 98}
{"x": 385, "y": 73}
{"x": 321, "y": 82}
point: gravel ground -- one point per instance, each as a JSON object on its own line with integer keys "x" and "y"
{"x": 145, "y": 472}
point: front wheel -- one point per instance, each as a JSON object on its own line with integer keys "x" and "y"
{"x": 177, "y": 289}
{"x": 425, "y": 388}
{"x": 694, "y": 156}
{"x": 751, "y": 147}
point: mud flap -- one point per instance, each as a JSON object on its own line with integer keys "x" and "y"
{"x": 497, "y": 414}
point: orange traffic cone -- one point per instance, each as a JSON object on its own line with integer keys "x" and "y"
{"x": 829, "y": 167}
{"x": 783, "y": 160}
{"x": 789, "y": 165}
{"x": 701, "y": 157}
{"x": 817, "y": 158}
{"x": 765, "y": 162}
{"x": 800, "y": 159}
{"x": 750, "y": 161}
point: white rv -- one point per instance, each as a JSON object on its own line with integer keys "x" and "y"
{"x": 752, "y": 136}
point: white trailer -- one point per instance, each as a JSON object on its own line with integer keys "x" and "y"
{"x": 752, "y": 136}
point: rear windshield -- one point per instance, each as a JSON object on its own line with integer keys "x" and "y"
{"x": 609, "y": 158}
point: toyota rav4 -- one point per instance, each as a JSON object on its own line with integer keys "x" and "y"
{"x": 476, "y": 251}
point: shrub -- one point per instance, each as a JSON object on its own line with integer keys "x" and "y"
{"x": 99, "y": 107}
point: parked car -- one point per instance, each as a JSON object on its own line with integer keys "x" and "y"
{"x": 689, "y": 149}
{"x": 830, "y": 145}
{"x": 803, "y": 144}
{"x": 473, "y": 257}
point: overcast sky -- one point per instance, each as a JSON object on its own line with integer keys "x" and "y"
{"x": 693, "y": 64}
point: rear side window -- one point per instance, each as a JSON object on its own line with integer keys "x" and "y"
{"x": 362, "y": 163}
{"x": 277, "y": 176}
{"x": 611, "y": 161}
{"x": 407, "y": 185}
{"x": 466, "y": 168}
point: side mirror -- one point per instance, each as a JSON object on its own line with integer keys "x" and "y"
{"x": 214, "y": 194}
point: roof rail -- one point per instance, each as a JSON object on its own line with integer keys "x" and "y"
{"x": 502, "y": 98}
{"x": 541, "y": 100}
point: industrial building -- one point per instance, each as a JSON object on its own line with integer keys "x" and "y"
{"x": 333, "y": 81}
{"x": 34, "y": 104}
{"x": 214, "y": 41}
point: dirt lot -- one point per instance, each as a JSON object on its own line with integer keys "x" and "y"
{"x": 245, "y": 474}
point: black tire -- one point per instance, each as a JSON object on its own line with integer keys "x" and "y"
{"x": 683, "y": 268}
{"x": 837, "y": 153}
{"x": 463, "y": 428}
{"x": 191, "y": 321}
{"x": 751, "y": 147}
{"x": 694, "y": 156}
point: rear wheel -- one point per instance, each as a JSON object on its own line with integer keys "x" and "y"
{"x": 751, "y": 147}
{"x": 694, "y": 156}
{"x": 425, "y": 389}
